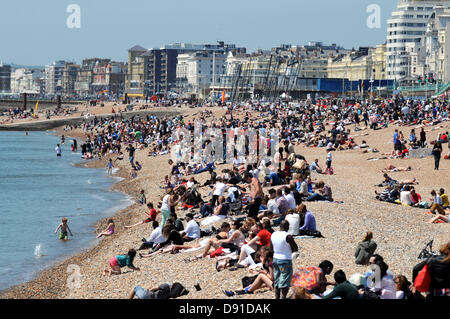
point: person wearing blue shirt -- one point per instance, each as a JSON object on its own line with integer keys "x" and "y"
{"x": 310, "y": 220}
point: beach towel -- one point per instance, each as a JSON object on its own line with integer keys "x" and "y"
{"x": 203, "y": 244}
{"x": 212, "y": 219}
{"x": 307, "y": 277}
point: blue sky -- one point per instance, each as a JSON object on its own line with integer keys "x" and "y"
{"x": 35, "y": 32}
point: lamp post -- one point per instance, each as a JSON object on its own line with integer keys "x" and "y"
{"x": 371, "y": 90}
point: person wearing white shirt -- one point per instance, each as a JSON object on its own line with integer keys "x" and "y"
{"x": 192, "y": 230}
{"x": 272, "y": 203}
{"x": 290, "y": 198}
{"x": 405, "y": 196}
{"x": 155, "y": 238}
{"x": 218, "y": 190}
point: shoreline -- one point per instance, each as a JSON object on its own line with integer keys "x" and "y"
{"x": 43, "y": 125}
{"x": 53, "y": 270}
{"x": 54, "y": 277}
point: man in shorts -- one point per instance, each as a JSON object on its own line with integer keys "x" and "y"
{"x": 283, "y": 246}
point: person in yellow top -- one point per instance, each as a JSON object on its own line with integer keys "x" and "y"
{"x": 444, "y": 197}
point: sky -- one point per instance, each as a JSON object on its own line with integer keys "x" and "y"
{"x": 36, "y": 33}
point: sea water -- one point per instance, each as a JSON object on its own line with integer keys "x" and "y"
{"x": 38, "y": 189}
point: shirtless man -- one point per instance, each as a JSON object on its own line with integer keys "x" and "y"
{"x": 392, "y": 168}
{"x": 256, "y": 193}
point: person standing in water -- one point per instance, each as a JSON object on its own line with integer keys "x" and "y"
{"x": 63, "y": 228}
{"x": 58, "y": 150}
{"x": 75, "y": 146}
{"x": 110, "y": 166}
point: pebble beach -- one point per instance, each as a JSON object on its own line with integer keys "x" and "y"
{"x": 400, "y": 232}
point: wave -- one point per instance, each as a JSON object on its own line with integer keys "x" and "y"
{"x": 98, "y": 197}
{"x": 38, "y": 251}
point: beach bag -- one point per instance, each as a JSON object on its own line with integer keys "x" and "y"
{"x": 423, "y": 205}
{"x": 331, "y": 171}
{"x": 307, "y": 277}
{"x": 423, "y": 280}
{"x": 247, "y": 281}
{"x": 177, "y": 290}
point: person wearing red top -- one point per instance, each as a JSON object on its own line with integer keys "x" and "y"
{"x": 151, "y": 216}
{"x": 262, "y": 239}
{"x": 415, "y": 197}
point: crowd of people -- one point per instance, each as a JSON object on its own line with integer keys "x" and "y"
{"x": 262, "y": 204}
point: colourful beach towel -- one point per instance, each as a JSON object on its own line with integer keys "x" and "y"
{"x": 307, "y": 277}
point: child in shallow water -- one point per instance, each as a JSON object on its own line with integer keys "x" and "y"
{"x": 109, "y": 230}
{"x": 63, "y": 227}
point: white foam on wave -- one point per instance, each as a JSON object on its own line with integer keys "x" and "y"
{"x": 98, "y": 197}
{"x": 38, "y": 251}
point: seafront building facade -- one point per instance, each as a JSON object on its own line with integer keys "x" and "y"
{"x": 366, "y": 63}
{"x": 154, "y": 71}
{"x": 24, "y": 80}
{"x": 70, "y": 75}
{"x": 436, "y": 45}
{"x": 53, "y": 77}
{"x": 198, "y": 71}
{"x": 408, "y": 24}
{"x": 5, "y": 78}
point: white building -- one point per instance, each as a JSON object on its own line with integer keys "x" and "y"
{"x": 436, "y": 44}
{"x": 53, "y": 77}
{"x": 200, "y": 70}
{"x": 26, "y": 81}
{"x": 407, "y": 25}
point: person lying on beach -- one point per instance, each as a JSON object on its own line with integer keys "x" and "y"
{"x": 151, "y": 216}
{"x": 63, "y": 227}
{"x": 410, "y": 182}
{"x": 262, "y": 278}
{"x": 371, "y": 150}
{"x": 109, "y": 230}
{"x": 440, "y": 219}
{"x": 391, "y": 168}
{"x": 120, "y": 261}
{"x": 164, "y": 291}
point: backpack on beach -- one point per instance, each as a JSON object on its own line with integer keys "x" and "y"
{"x": 177, "y": 290}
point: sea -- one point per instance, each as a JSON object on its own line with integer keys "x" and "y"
{"x": 38, "y": 189}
